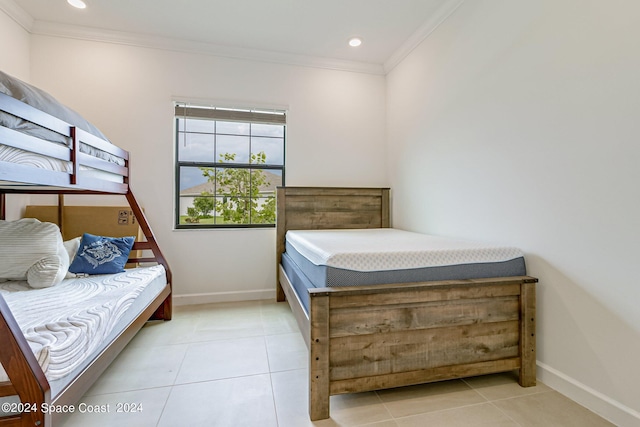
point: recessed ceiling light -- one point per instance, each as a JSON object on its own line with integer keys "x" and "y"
{"x": 77, "y": 3}
{"x": 355, "y": 41}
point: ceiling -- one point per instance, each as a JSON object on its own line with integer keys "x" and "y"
{"x": 299, "y": 31}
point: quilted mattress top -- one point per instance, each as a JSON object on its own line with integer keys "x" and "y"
{"x": 392, "y": 249}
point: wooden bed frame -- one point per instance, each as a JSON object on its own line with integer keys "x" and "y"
{"x": 364, "y": 338}
{"x": 27, "y": 380}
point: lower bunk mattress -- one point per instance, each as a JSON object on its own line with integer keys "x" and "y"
{"x": 336, "y": 258}
{"x": 69, "y": 324}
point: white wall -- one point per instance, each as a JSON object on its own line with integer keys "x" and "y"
{"x": 517, "y": 122}
{"x": 14, "y": 55}
{"x": 14, "y": 60}
{"x": 335, "y": 136}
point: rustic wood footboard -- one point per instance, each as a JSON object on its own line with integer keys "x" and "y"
{"x": 374, "y": 337}
{"x": 366, "y": 338}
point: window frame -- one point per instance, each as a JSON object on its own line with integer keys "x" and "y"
{"x": 224, "y": 114}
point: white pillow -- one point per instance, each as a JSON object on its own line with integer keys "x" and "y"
{"x": 49, "y": 271}
{"x": 32, "y": 250}
{"x": 72, "y": 247}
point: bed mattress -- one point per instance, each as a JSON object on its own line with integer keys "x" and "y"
{"x": 68, "y": 324}
{"x": 18, "y": 156}
{"x": 334, "y": 258}
{"x": 41, "y": 100}
{"x": 14, "y": 123}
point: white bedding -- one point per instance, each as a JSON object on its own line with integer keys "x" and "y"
{"x": 43, "y": 101}
{"x": 18, "y": 156}
{"x": 64, "y": 324}
{"x": 382, "y": 249}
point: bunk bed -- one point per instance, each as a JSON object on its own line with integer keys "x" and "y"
{"x": 373, "y": 332}
{"x": 46, "y": 148}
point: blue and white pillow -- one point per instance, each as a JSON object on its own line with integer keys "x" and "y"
{"x": 101, "y": 255}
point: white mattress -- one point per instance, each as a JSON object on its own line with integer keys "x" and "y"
{"x": 64, "y": 324}
{"x": 382, "y": 249}
{"x": 18, "y": 156}
{"x": 43, "y": 101}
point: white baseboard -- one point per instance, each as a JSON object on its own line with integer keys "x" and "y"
{"x": 606, "y": 407}
{"x": 208, "y": 298}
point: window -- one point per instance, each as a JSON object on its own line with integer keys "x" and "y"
{"x": 229, "y": 162}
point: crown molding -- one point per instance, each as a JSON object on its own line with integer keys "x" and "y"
{"x": 11, "y": 8}
{"x": 441, "y": 15}
{"x": 189, "y": 46}
{"x": 17, "y": 13}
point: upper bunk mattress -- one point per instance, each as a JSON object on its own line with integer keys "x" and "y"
{"x": 43, "y": 101}
{"x": 67, "y": 323}
{"x": 385, "y": 255}
{"x": 18, "y": 156}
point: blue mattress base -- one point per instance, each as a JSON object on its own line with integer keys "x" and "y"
{"x": 322, "y": 276}
{"x": 301, "y": 283}
{"x": 305, "y": 275}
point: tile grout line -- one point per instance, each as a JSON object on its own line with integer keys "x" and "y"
{"x": 436, "y": 411}
{"x": 266, "y": 349}
{"x": 492, "y": 401}
{"x": 384, "y": 405}
{"x": 273, "y": 398}
{"x": 504, "y": 413}
{"x": 164, "y": 407}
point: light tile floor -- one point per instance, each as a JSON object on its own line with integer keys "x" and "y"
{"x": 244, "y": 364}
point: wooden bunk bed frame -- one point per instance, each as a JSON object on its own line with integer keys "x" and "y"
{"x": 365, "y": 338}
{"x": 27, "y": 379}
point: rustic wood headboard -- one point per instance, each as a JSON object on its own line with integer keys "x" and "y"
{"x": 314, "y": 208}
